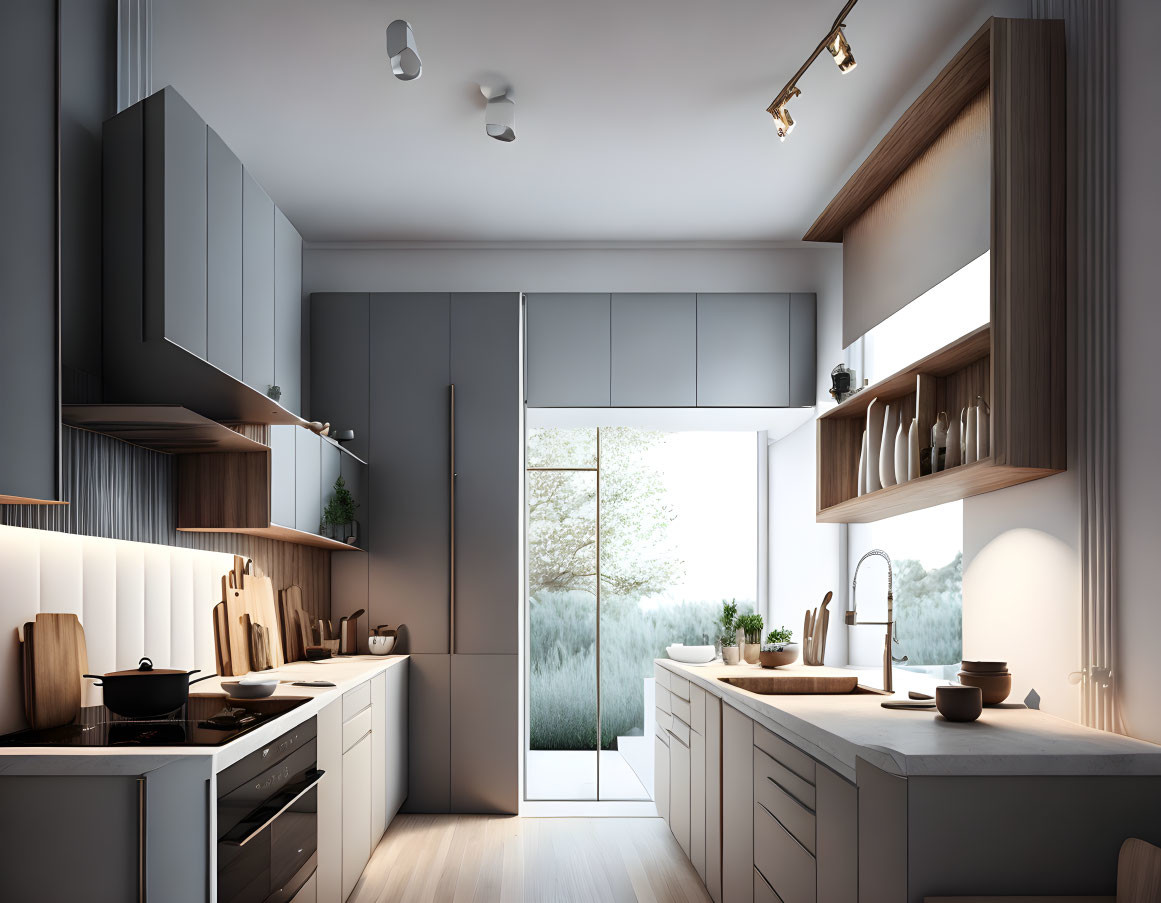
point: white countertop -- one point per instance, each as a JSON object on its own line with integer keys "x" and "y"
{"x": 345, "y": 672}
{"x": 1006, "y": 740}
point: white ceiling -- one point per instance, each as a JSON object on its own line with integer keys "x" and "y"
{"x": 635, "y": 121}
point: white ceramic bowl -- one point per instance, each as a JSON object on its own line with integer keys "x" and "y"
{"x": 250, "y": 688}
{"x": 690, "y": 655}
{"x": 380, "y": 645}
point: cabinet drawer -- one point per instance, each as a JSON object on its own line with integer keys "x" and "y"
{"x": 763, "y": 892}
{"x": 679, "y": 687}
{"x": 794, "y": 816}
{"x": 697, "y": 709}
{"x": 357, "y": 728}
{"x": 782, "y": 860}
{"x": 664, "y": 699}
{"x": 354, "y": 701}
{"x": 680, "y": 730}
{"x": 766, "y": 768}
{"x": 680, "y": 709}
{"x": 784, "y": 753}
{"x": 664, "y": 719}
{"x": 660, "y": 676}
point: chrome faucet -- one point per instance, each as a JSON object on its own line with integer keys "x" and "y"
{"x": 892, "y": 632}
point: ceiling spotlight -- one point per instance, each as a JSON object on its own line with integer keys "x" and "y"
{"x": 500, "y": 118}
{"x": 405, "y": 62}
{"x": 781, "y": 114}
{"x": 841, "y": 51}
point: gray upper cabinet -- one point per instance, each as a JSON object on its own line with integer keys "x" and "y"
{"x": 29, "y": 359}
{"x": 568, "y": 350}
{"x": 175, "y": 180}
{"x": 193, "y": 306}
{"x": 339, "y": 362}
{"x": 330, "y": 469}
{"x": 307, "y": 480}
{"x": 803, "y": 351}
{"x": 257, "y": 286}
{"x": 654, "y": 350}
{"x": 282, "y": 474}
{"x": 288, "y": 312}
{"x": 485, "y": 369}
{"x": 224, "y": 256}
{"x": 743, "y": 350}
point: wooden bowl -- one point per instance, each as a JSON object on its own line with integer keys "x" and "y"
{"x": 985, "y": 667}
{"x": 995, "y": 687}
{"x": 959, "y": 703}
{"x": 772, "y": 659}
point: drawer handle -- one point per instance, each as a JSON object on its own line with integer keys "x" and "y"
{"x": 789, "y": 794}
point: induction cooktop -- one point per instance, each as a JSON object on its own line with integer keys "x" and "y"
{"x": 196, "y": 724}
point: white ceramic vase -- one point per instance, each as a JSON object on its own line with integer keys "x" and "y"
{"x": 901, "y": 453}
{"x": 951, "y": 457}
{"x": 983, "y": 428}
{"x": 887, "y": 449}
{"x": 874, "y": 439}
{"x": 913, "y": 449}
{"x": 863, "y": 465}
{"x": 967, "y": 420}
{"x": 938, "y": 440}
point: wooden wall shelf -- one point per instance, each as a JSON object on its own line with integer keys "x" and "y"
{"x": 1018, "y": 362}
{"x": 283, "y": 534}
{"x": 168, "y": 428}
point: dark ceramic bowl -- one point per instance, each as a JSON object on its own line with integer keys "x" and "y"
{"x": 995, "y": 687}
{"x": 959, "y": 703}
{"x": 984, "y": 667}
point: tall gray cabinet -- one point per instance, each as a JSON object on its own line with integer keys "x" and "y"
{"x": 445, "y": 571}
{"x": 29, "y": 301}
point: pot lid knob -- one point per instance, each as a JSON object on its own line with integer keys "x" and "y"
{"x": 146, "y": 664}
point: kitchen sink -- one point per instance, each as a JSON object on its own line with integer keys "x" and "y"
{"x": 796, "y": 682}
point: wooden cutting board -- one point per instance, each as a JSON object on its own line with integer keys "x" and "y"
{"x": 794, "y": 682}
{"x": 291, "y": 604}
{"x": 233, "y": 594}
{"x": 264, "y": 611}
{"x": 222, "y": 640}
{"x": 55, "y": 671}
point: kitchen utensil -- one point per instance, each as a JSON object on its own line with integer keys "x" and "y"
{"x": 690, "y": 655}
{"x": 776, "y": 658}
{"x": 312, "y": 683}
{"x": 381, "y": 645}
{"x": 984, "y": 667}
{"x": 814, "y": 633}
{"x": 325, "y": 630}
{"x": 820, "y": 645}
{"x": 53, "y": 675}
{"x": 959, "y": 703}
{"x": 250, "y": 689}
{"x": 919, "y": 704}
{"x": 349, "y": 635}
{"x": 146, "y": 692}
{"x": 995, "y": 687}
{"x": 314, "y": 653}
{"x": 807, "y": 632}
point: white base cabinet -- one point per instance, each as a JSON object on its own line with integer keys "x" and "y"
{"x": 661, "y": 777}
{"x": 679, "y": 789}
{"x": 362, "y": 747}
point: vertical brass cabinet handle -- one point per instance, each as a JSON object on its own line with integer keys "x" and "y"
{"x": 452, "y": 533}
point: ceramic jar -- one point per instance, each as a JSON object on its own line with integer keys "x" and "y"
{"x": 887, "y": 449}
{"x": 874, "y": 440}
{"x": 901, "y": 453}
{"x": 730, "y": 654}
{"x": 913, "y": 449}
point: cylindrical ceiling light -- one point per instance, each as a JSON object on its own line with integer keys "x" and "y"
{"x": 500, "y": 118}
{"x": 405, "y": 62}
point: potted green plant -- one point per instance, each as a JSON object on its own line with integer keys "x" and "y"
{"x": 778, "y": 650}
{"x": 751, "y": 626}
{"x": 729, "y": 635}
{"x": 339, "y": 515}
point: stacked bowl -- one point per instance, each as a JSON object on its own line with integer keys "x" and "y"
{"x": 993, "y": 679}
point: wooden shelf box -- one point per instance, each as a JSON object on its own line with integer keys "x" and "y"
{"x": 1018, "y": 361}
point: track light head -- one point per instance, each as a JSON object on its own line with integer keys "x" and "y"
{"x": 500, "y": 118}
{"x": 401, "y": 51}
{"x": 781, "y": 115}
{"x": 841, "y": 51}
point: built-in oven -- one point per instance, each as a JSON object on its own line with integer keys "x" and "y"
{"x": 268, "y": 820}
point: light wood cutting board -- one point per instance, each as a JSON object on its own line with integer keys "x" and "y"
{"x": 264, "y": 611}
{"x": 292, "y": 611}
{"x": 56, "y": 671}
{"x": 234, "y": 595}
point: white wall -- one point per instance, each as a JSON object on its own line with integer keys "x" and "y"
{"x": 565, "y": 268}
{"x": 1139, "y": 433}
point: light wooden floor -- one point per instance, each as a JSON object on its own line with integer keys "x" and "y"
{"x": 452, "y": 858}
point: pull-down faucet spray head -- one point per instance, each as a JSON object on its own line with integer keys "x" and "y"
{"x": 851, "y": 616}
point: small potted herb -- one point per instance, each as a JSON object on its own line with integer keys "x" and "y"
{"x": 339, "y": 515}
{"x": 778, "y": 650}
{"x": 729, "y": 636}
{"x": 751, "y": 626}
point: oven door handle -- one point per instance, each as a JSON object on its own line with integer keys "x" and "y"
{"x": 245, "y": 831}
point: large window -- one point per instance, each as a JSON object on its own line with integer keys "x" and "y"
{"x": 635, "y": 537}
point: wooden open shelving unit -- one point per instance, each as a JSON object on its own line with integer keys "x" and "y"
{"x": 1018, "y": 361}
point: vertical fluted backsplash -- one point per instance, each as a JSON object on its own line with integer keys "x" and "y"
{"x": 122, "y": 491}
